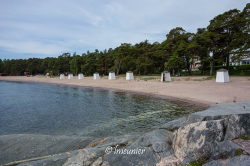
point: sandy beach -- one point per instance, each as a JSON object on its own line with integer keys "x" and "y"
{"x": 190, "y": 89}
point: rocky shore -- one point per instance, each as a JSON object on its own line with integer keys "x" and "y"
{"x": 218, "y": 136}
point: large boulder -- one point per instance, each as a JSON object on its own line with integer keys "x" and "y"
{"x": 242, "y": 160}
{"x": 237, "y": 125}
{"x": 208, "y": 135}
{"x": 198, "y": 140}
{"x": 220, "y": 111}
{"x": 155, "y": 145}
{"x": 216, "y": 112}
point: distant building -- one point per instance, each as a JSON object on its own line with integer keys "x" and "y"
{"x": 195, "y": 64}
{"x": 245, "y": 61}
{"x": 242, "y": 61}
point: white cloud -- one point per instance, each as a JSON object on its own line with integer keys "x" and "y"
{"x": 49, "y": 27}
{"x": 31, "y": 47}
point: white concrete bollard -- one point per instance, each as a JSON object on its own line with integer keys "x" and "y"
{"x": 222, "y": 76}
{"x": 111, "y": 76}
{"x": 129, "y": 75}
{"x": 80, "y": 76}
{"x": 70, "y": 76}
{"x": 165, "y": 76}
{"x": 96, "y": 76}
{"x": 62, "y": 76}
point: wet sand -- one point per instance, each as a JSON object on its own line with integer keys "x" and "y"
{"x": 190, "y": 89}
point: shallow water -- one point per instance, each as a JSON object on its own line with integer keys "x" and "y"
{"x": 38, "y": 108}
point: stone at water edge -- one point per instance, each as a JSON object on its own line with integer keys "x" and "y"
{"x": 208, "y": 134}
{"x": 197, "y": 140}
{"x": 156, "y": 145}
{"x": 174, "y": 124}
{"x": 25, "y": 146}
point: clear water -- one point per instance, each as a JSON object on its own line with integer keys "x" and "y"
{"x": 38, "y": 108}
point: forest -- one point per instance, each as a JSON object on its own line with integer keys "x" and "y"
{"x": 225, "y": 39}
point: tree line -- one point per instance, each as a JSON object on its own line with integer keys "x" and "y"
{"x": 227, "y": 34}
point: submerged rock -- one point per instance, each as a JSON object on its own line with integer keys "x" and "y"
{"x": 25, "y": 146}
{"x": 175, "y": 124}
{"x": 56, "y": 150}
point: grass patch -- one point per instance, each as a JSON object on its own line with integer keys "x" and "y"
{"x": 147, "y": 78}
{"x": 209, "y": 78}
{"x": 199, "y": 79}
{"x": 245, "y": 137}
{"x": 187, "y": 79}
{"x": 205, "y": 78}
{"x": 239, "y": 152}
{"x": 170, "y": 142}
{"x": 197, "y": 163}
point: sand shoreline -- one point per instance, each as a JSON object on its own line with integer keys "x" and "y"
{"x": 200, "y": 93}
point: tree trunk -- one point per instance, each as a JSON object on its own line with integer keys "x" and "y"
{"x": 227, "y": 61}
{"x": 211, "y": 68}
{"x": 189, "y": 71}
{"x": 202, "y": 68}
{"x": 117, "y": 71}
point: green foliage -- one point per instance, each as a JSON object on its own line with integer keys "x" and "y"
{"x": 246, "y": 137}
{"x": 228, "y": 29}
{"x": 241, "y": 70}
{"x": 239, "y": 152}
{"x": 209, "y": 78}
{"x": 197, "y": 163}
{"x": 147, "y": 78}
{"x": 1, "y": 66}
{"x": 243, "y": 67}
{"x": 175, "y": 63}
{"x": 75, "y": 64}
{"x": 187, "y": 79}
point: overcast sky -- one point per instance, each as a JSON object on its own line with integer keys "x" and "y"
{"x": 42, "y": 28}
